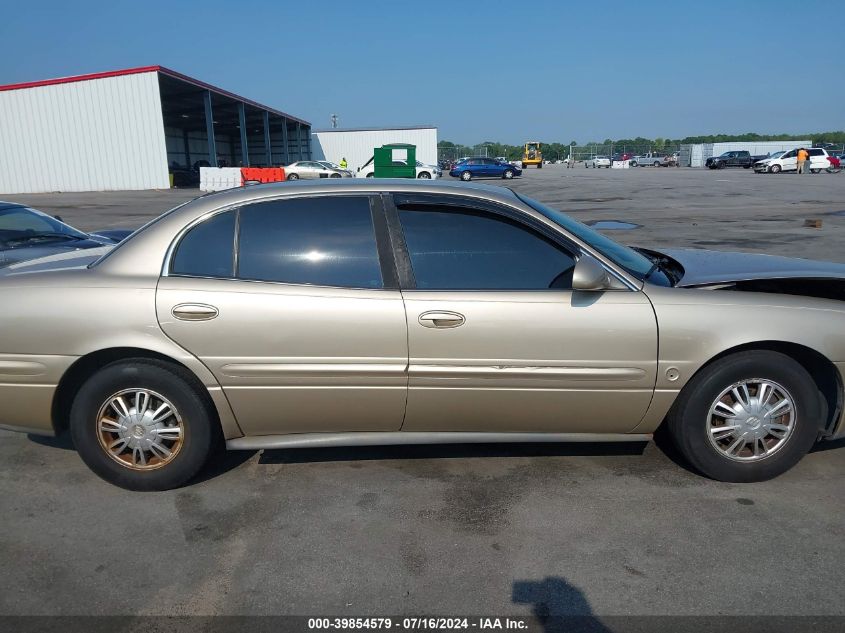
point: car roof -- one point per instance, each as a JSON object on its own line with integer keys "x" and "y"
{"x": 11, "y": 205}
{"x": 355, "y": 185}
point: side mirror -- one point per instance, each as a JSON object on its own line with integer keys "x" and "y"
{"x": 589, "y": 274}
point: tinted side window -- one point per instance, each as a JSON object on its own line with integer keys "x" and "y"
{"x": 324, "y": 241}
{"x": 460, "y": 249}
{"x": 207, "y": 249}
{"x": 816, "y": 152}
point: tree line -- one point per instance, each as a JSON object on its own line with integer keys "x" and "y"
{"x": 638, "y": 144}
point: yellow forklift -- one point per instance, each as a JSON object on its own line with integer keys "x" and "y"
{"x": 532, "y": 155}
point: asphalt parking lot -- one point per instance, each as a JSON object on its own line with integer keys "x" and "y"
{"x": 558, "y": 530}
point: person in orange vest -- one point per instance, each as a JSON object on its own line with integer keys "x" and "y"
{"x": 803, "y": 155}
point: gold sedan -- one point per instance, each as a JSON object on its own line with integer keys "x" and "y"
{"x": 361, "y": 312}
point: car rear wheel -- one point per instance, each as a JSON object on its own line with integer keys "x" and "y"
{"x": 335, "y": 176}
{"x": 655, "y": 164}
{"x": 775, "y": 169}
{"x": 424, "y": 175}
{"x": 371, "y": 175}
{"x": 292, "y": 177}
{"x": 466, "y": 176}
{"x": 815, "y": 171}
{"x": 143, "y": 425}
{"x": 508, "y": 174}
{"x": 633, "y": 163}
{"x": 747, "y": 417}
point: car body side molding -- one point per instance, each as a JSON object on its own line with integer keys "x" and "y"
{"x": 395, "y": 438}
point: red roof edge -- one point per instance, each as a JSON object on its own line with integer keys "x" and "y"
{"x": 67, "y": 80}
{"x": 148, "y": 69}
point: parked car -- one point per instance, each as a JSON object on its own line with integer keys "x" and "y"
{"x": 738, "y": 158}
{"x": 597, "y": 161}
{"x": 426, "y": 172}
{"x": 312, "y": 169}
{"x": 653, "y": 159}
{"x": 364, "y": 312}
{"x": 484, "y": 168}
{"x": 435, "y": 169}
{"x": 788, "y": 161}
{"x": 27, "y": 233}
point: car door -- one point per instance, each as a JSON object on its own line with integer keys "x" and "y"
{"x": 499, "y": 341}
{"x": 491, "y": 167}
{"x": 789, "y": 161}
{"x": 818, "y": 159}
{"x": 292, "y": 306}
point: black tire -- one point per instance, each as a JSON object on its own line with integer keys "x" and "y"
{"x": 775, "y": 169}
{"x": 292, "y": 177}
{"x": 746, "y": 166}
{"x": 540, "y": 165}
{"x": 633, "y": 163}
{"x": 688, "y": 420}
{"x": 815, "y": 171}
{"x": 335, "y": 176}
{"x": 371, "y": 175}
{"x": 655, "y": 164}
{"x": 202, "y": 434}
{"x": 466, "y": 176}
{"x": 507, "y": 174}
{"x": 424, "y": 175}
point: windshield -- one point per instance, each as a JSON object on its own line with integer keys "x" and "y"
{"x": 21, "y": 224}
{"x": 623, "y": 256}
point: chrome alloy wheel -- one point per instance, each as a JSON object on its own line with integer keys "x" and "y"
{"x": 751, "y": 420}
{"x": 140, "y": 429}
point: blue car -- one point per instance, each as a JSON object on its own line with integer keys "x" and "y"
{"x": 484, "y": 168}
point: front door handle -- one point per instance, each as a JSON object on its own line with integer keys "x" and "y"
{"x": 441, "y": 319}
{"x": 194, "y": 312}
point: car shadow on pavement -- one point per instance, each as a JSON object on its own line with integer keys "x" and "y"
{"x": 62, "y": 440}
{"x": 446, "y": 451}
{"x": 828, "y": 446}
{"x": 557, "y": 605}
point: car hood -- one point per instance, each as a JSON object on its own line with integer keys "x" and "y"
{"x": 36, "y": 251}
{"x": 704, "y": 267}
{"x": 63, "y": 260}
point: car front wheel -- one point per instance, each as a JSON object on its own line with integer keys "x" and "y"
{"x": 424, "y": 175}
{"x": 143, "y": 424}
{"x": 292, "y": 177}
{"x": 747, "y": 417}
{"x": 775, "y": 169}
{"x": 466, "y": 176}
{"x": 508, "y": 174}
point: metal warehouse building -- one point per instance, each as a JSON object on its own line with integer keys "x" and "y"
{"x": 129, "y": 129}
{"x": 696, "y": 155}
{"x": 357, "y": 144}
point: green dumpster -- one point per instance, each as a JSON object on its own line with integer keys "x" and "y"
{"x": 395, "y": 160}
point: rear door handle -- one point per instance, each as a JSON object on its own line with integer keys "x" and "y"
{"x": 194, "y": 312}
{"x": 441, "y": 319}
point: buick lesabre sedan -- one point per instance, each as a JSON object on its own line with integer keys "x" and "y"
{"x": 354, "y": 312}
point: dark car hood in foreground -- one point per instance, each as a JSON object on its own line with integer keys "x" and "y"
{"x": 703, "y": 267}
{"x": 37, "y": 251}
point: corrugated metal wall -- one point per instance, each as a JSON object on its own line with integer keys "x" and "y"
{"x": 701, "y": 152}
{"x": 95, "y": 135}
{"x": 357, "y": 145}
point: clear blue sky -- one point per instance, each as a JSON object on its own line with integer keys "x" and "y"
{"x": 595, "y": 70}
